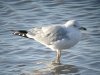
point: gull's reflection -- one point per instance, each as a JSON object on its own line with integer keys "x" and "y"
{"x": 57, "y": 70}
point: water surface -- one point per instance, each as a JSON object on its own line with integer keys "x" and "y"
{"x": 22, "y": 56}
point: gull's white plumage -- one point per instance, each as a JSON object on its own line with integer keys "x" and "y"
{"x": 70, "y": 37}
{"x": 57, "y": 37}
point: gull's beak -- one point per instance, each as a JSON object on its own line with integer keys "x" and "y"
{"x": 82, "y": 28}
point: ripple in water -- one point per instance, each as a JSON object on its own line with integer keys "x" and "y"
{"x": 21, "y": 56}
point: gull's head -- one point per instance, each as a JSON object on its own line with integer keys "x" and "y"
{"x": 74, "y": 24}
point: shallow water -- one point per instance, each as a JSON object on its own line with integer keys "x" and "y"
{"x": 22, "y": 56}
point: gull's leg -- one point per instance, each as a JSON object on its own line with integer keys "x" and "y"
{"x": 58, "y": 55}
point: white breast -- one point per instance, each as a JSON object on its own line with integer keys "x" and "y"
{"x": 74, "y": 37}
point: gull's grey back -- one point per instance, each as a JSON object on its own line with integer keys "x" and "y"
{"x": 49, "y": 34}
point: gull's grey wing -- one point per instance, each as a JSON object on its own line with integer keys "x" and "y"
{"x": 33, "y": 32}
{"x": 49, "y": 34}
{"x": 57, "y": 33}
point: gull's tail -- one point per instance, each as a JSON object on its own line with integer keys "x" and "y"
{"x": 20, "y": 33}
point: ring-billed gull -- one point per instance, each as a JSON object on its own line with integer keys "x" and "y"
{"x": 56, "y": 37}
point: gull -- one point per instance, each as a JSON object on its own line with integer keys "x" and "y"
{"x": 55, "y": 37}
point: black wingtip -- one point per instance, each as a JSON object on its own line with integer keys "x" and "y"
{"x": 20, "y": 33}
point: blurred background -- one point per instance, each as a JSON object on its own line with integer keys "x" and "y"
{"x": 22, "y": 56}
